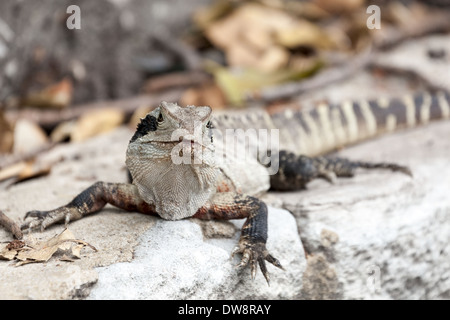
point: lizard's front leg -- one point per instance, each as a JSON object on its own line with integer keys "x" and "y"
{"x": 93, "y": 199}
{"x": 252, "y": 243}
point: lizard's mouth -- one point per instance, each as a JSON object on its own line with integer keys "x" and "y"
{"x": 192, "y": 143}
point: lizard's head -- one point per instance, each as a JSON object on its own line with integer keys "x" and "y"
{"x": 171, "y": 159}
{"x": 169, "y": 124}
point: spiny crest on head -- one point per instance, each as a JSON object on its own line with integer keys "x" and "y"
{"x": 190, "y": 111}
{"x": 149, "y": 123}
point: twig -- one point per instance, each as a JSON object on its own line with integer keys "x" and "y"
{"x": 48, "y": 119}
{"x": 409, "y": 74}
{"x": 176, "y": 79}
{"x": 6, "y": 161}
{"x": 11, "y": 226}
{"x": 438, "y": 21}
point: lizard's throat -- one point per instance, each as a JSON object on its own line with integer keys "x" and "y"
{"x": 176, "y": 190}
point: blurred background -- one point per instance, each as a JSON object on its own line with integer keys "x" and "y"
{"x": 59, "y": 84}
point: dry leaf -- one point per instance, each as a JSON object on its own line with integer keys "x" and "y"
{"x": 236, "y": 84}
{"x": 33, "y": 170}
{"x": 139, "y": 114}
{"x": 306, "y": 9}
{"x": 63, "y": 131}
{"x": 203, "y": 17}
{"x": 340, "y": 6}
{"x": 76, "y": 250}
{"x": 262, "y": 37}
{"x": 95, "y": 122}
{"x": 56, "y": 96}
{"x": 206, "y": 95}
{"x": 28, "y": 136}
{"x": 6, "y": 134}
{"x": 66, "y": 258}
{"x": 259, "y": 39}
{"x": 303, "y": 33}
{"x": 44, "y": 250}
{"x": 24, "y": 170}
{"x": 273, "y": 59}
{"x": 240, "y": 55}
{"x": 7, "y": 254}
{"x": 247, "y": 33}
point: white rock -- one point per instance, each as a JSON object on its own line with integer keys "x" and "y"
{"x": 392, "y": 230}
{"x": 173, "y": 261}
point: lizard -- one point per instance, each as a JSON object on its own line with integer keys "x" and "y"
{"x": 175, "y": 171}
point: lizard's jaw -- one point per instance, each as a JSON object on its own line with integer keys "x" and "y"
{"x": 177, "y": 190}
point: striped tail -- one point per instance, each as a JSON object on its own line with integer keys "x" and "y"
{"x": 329, "y": 127}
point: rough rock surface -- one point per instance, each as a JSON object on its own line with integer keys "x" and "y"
{"x": 138, "y": 256}
{"x": 380, "y": 235}
{"x": 173, "y": 261}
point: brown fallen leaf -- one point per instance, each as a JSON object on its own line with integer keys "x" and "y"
{"x": 237, "y": 84}
{"x": 28, "y": 136}
{"x": 8, "y": 254}
{"x": 206, "y": 95}
{"x": 303, "y": 33}
{"x": 339, "y": 6}
{"x": 137, "y": 115}
{"x": 6, "y": 134}
{"x": 246, "y": 21}
{"x": 24, "y": 170}
{"x": 56, "y": 96}
{"x": 42, "y": 251}
{"x": 203, "y": 17}
{"x": 96, "y": 122}
{"x": 63, "y": 131}
{"x": 76, "y": 250}
{"x": 66, "y": 258}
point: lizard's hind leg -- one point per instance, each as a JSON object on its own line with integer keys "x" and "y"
{"x": 296, "y": 171}
{"x": 94, "y": 198}
{"x": 252, "y": 243}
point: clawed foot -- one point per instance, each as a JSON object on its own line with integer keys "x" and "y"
{"x": 255, "y": 253}
{"x": 43, "y": 219}
{"x": 402, "y": 169}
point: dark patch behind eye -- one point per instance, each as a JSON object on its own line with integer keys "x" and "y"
{"x": 149, "y": 123}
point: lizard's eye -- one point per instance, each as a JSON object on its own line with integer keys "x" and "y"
{"x": 209, "y": 125}
{"x": 160, "y": 118}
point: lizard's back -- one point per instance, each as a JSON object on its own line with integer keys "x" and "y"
{"x": 318, "y": 131}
